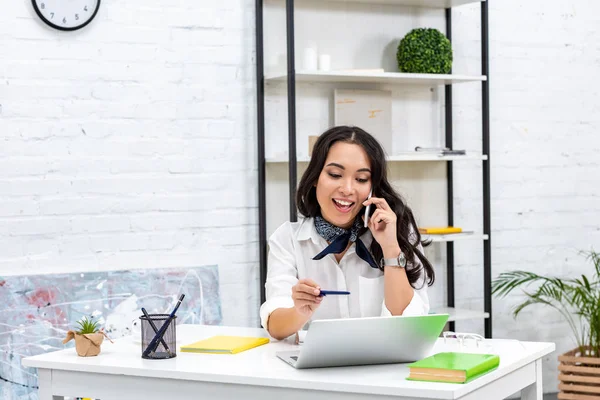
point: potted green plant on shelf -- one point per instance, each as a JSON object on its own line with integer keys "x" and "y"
{"x": 577, "y": 299}
{"x": 88, "y": 338}
{"x": 425, "y": 51}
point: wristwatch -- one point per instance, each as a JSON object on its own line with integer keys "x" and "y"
{"x": 397, "y": 262}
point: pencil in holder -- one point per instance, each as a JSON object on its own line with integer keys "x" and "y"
{"x": 166, "y": 347}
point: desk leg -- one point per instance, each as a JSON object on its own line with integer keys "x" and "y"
{"x": 535, "y": 391}
{"x": 45, "y": 385}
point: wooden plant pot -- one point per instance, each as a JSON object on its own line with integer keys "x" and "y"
{"x": 579, "y": 376}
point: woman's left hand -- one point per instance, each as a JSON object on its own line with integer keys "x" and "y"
{"x": 382, "y": 223}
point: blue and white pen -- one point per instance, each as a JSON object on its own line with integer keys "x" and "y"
{"x": 333, "y": 293}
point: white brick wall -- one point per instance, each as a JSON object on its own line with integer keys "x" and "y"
{"x": 545, "y": 173}
{"x": 132, "y": 144}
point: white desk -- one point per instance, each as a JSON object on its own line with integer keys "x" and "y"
{"x": 119, "y": 372}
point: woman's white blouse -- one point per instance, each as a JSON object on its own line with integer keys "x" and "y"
{"x": 291, "y": 249}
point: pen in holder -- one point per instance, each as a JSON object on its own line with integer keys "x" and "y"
{"x": 151, "y": 325}
{"x": 151, "y": 350}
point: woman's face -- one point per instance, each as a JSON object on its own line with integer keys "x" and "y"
{"x": 344, "y": 183}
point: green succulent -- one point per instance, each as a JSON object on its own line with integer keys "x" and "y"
{"x": 425, "y": 51}
{"x": 87, "y": 326}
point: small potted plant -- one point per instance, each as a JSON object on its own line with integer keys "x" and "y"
{"x": 88, "y": 338}
{"x": 425, "y": 51}
{"x": 578, "y": 301}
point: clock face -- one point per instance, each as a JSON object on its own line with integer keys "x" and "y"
{"x": 66, "y": 15}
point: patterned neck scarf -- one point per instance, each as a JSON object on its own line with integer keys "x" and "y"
{"x": 339, "y": 238}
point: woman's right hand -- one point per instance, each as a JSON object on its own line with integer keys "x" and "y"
{"x": 306, "y": 297}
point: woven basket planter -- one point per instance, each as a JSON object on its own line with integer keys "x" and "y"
{"x": 579, "y": 376}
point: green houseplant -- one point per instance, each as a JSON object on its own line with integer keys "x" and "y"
{"x": 425, "y": 51}
{"x": 572, "y": 297}
{"x": 578, "y": 301}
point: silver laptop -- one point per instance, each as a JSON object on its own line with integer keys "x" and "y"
{"x": 364, "y": 341}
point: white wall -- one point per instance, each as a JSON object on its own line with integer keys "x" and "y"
{"x": 131, "y": 143}
{"x": 546, "y": 174}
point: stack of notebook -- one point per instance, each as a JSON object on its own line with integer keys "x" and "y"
{"x": 453, "y": 367}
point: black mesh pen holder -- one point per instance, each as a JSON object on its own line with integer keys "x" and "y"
{"x": 165, "y": 348}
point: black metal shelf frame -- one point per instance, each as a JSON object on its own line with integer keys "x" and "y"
{"x": 292, "y": 164}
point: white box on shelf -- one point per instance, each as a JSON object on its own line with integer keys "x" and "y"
{"x": 370, "y": 110}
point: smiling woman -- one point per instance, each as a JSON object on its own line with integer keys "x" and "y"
{"x": 382, "y": 265}
{"x": 343, "y": 184}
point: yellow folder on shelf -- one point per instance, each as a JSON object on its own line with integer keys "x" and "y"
{"x": 440, "y": 230}
{"x": 224, "y": 344}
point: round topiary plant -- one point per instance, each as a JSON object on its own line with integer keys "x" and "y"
{"x": 425, "y": 51}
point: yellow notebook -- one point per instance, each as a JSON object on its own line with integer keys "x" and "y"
{"x": 224, "y": 344}
{"x": 440, "y": 230}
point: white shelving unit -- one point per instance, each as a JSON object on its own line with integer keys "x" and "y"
{"x": 455, "y": 237}
{"x": 279, "y": 164}
{"x": 456, "y": 314}
{"x": 407, "y": 157}
{"x": 410, "y": 3}
{"x": 377, "y": 77}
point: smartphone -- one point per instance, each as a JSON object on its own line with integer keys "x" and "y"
{"x": 368, "y": 209}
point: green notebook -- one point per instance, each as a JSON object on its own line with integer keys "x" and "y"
{"x": 452, "y": 367}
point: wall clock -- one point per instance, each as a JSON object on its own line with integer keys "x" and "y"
{"x": 66, "y": 15}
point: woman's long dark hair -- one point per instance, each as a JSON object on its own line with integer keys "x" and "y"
{"x": 306, "y": 196}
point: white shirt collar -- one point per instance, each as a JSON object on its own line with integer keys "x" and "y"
{"x": 307, "y": 230}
